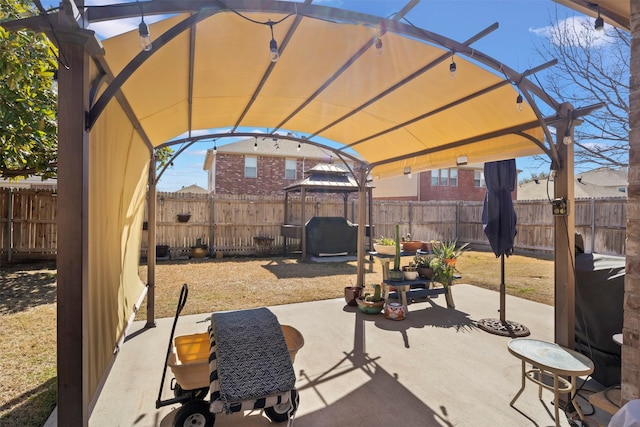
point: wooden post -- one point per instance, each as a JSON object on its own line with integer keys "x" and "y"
{"x": 73, "y": 217}
{"x": 151, "y": 252}
{"x": 564, "y": 238}
{"x": 362, "y": 219}
{"x": 303, "y": 227}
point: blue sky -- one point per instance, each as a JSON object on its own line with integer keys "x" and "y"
{"x": 522, "y": 26}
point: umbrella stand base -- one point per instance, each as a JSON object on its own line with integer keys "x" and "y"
{"x": 505, "y": 329}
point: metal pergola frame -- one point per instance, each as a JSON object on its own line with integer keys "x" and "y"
{"x": 79, "y": 109}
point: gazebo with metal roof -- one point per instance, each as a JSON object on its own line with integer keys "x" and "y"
{"x": 321, "y": 178}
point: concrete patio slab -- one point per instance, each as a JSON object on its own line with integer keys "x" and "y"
{"x": 435, "y": 368}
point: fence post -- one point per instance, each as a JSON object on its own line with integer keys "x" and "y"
{"x": 593, "y": 225}
{"x": 457, "y": 220}
{"x": 10, "y": 227}
{"x": 411, "y": 218}
{"x": 212, "y": 223}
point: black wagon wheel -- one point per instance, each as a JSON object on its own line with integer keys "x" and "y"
{"x": 280, "y": 413}
{"x": 194, "y": 414}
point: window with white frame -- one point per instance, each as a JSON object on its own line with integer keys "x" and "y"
{"x": 250, "y": 167}
{"x": 453, "y": 177}
{"x": 435, "y": 177}
{"x": 290, "y": 169}
{"x": 478, "y": 179}
{"x": 444, "y": 177}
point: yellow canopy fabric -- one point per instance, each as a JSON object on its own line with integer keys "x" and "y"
{"x": 218, "y": 75}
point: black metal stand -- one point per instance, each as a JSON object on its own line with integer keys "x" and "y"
{"x": 502, "y": 326}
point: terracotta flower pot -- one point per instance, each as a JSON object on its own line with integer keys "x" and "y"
{"x": 351, "y": 294}
{"x": 425, "y": 272}
{"x": 411, "y": 246}
{"x": 427, "y": 247}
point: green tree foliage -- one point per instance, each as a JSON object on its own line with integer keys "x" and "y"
{"x": 28, "y": 102}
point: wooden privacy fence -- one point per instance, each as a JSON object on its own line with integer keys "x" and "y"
{"x": 229, "y": 224}
{"x": 28, "y": 227}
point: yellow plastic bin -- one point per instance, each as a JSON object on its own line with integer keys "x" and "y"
{"x": 189, "y": 361}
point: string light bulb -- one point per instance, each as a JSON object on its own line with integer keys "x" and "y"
{"x": 255, "y": 145}
{"x": 452, "y": 68}
{"x": 599, "y": 23}
{"x": 519, "y": 103}
{"x": 379, "y": 47}
{"x": 566, "y": 139}
{"x": 215, "y": 148}
{"x": 274, "y": 55}
{"x": 143, "y": 30}
{"x": 299, "y": 147}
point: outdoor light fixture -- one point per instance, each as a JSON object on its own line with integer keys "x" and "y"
{"x": 461, "y": 160}
{"x": 452, "y": 68}
{"x": 143, "y": 29}
{"x": 273, "y": 45}
{"x": 599, "y": 24}
{"x": 519, "y": 104}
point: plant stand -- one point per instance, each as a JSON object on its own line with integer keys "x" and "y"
{"x": 263, "y": 245}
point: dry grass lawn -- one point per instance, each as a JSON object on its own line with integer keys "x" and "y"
{"x": 27, "y": 306}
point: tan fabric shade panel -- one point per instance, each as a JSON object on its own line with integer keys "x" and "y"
{"x": 230, "y": 58}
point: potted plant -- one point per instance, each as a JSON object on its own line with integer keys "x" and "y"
{"x": 184, "y": 217}
{"x": 396, "y": 274}
{"x": 162, "y": 251}
{"x": 409, "y": 245}
{"x": 371, "y": 304}
{"x": 200, "y": 250}
{"x": 449, "y": 251}
{"x": 423, "y": 265}
{"x": 351, "y": 294}
{"x": 385, "y": 246}
{"x": 410, "y": 272}
{"x": 444, "y": 265}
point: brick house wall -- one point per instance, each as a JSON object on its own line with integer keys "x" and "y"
{"x": 465, "y": 190}
{"x": 270, "y": 178}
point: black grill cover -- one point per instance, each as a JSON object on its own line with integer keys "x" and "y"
{"x": 599, "y": 304}
{"x": 331, "y": 235}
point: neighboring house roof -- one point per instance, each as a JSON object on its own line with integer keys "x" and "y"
{"x": 193, "y": 189}
{"x": 583, "y": 190}
{"x": 605, "y": 177}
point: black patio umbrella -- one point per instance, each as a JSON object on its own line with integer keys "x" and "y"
{"x": 499, "y": 224}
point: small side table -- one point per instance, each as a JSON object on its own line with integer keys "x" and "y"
{"x": 551, "y": 360}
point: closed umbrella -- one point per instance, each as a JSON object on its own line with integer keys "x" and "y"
{"x": 499, "y": 225}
